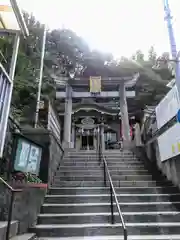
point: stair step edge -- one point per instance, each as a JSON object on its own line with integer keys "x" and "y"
{"x": 117, "y": 237}
{"x": 107, "y": 195}
{"x": 26, "y": 236}
{"x": 107, "y": 214}
{"x": 105, "y": 204}
{"x": 97, "y": 225}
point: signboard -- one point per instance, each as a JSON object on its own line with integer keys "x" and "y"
{"x": 169, "y": 143}
{"x": 168, "y": 107}
{"x": 95, "y": 84}
{"x": 8, "y": 17}
{"x": 28, "y": 156}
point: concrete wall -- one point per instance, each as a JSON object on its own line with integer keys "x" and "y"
{"x": 26, "y": 206}
{"x": 170, "y": 168}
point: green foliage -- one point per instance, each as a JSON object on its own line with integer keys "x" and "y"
{"x": 152, "y": 56}
{"x": 30, "y": 178}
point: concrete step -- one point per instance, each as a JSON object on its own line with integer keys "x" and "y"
{"x": 105, "y": 207}
{"x": 26, "y": 236}
{"x": 97, "y": 183}
{"x": 97, "y": 172}
{"x": 99, "y": 190}
{"x": 96, "y": 164}
{"x": 124, "y": 162}
{"x": 93, "y": 198}
{"x": 92, "y": 168}
{"x": 93, "y": 229}
{"x": 105, "y": 217}
{"x": 96, "y": 158}
{"x": 118, "y": 237}
{"x": 13, "y": 229}
{"x": 83, "y": 167}
{"x": 100, "y": 177}
{"x": 94, "y": 153}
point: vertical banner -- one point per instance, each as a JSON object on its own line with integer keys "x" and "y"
{"x": 95, "y": 84}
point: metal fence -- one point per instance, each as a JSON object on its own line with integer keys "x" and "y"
{"x": 5, "y": 96}
{"x": 49, "y": 119}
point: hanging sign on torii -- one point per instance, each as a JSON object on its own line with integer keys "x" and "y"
{"x": 95, "y": 84}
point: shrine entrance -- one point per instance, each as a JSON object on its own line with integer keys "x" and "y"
{"x": 87, "y": 142}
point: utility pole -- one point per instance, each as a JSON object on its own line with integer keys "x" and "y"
{"x": 40, "y": 78}
{"x": 175, "y": 54}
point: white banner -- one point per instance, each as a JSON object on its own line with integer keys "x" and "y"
{"x": 169, "y": 143}
{"x": 168, "y": 107}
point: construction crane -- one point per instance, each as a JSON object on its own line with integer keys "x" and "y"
{"x": 175, "y": 54}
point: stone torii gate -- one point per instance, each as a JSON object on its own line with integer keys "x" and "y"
{"x": 71, "y": 92}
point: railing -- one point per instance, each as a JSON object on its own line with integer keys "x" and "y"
{"x": 13, "y": 191}
{"x": 112, "y": 190}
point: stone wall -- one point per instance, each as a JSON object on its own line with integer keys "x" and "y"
{"x": 28, "y": 202}
{"x": 26, "y": 205}
{"x": 170, "y": 168}
{"x": 55, "y": 156}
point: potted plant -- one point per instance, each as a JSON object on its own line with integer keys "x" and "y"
{"x": 27, "y": 179}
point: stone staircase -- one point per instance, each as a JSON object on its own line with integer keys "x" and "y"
{"x": 13, "y": 232}
{"x": 78, "y": 205}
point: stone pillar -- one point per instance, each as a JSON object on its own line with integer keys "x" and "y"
{"x": 95, "y": 142}
{"x": 67, "y": 117}
{"x": 102, "y": 137}
{"x": 124, "y": 115}
{"x": 137, "y": 136}
{"x": 73, "y": 136}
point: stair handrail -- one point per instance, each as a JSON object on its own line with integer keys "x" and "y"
{"x": 13, "y": 191}
{"x": 112, "y": 191}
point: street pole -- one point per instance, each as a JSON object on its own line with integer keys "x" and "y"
{"x": 172, "y": 41}
{"x": 40, "y": 78}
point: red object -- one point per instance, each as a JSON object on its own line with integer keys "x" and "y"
{"x": 131, "y": 132}
{"x": 32, "y": 185}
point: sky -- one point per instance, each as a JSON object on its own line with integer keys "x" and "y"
{"x": 117, "y": 26}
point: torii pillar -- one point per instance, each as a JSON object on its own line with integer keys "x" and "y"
{"x": 124, "y": 116}
{"x": 67, "y": 117}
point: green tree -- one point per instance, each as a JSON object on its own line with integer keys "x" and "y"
{"x": 139, "y": 56}
{"x": 152, "y": 56}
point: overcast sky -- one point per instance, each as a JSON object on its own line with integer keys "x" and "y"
{"x": 117, "y": 26}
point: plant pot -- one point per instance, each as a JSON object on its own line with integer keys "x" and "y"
{"x": 30, "y": 185}
{"x": 37, "y": 185}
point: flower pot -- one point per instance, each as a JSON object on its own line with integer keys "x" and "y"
{"x": 30, "y": 185}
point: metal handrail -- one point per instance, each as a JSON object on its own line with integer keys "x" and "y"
{"x": 112, "y": 192}
{"x": 13, "y": 191}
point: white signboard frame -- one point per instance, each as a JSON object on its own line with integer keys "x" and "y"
{"x": 168, "y": 107}
{"x": 169, "y": 143}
